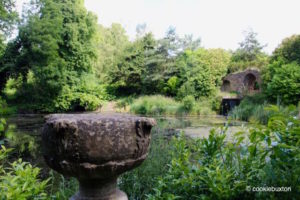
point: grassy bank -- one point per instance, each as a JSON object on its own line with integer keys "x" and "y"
{"x": 161, "y": 105}
{"x": 256, "y": 109}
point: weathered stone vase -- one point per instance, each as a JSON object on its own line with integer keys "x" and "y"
{"x": 96, "y": 149}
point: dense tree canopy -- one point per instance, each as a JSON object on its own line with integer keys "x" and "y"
{"x": 282, "y": 78}
{"x": 202, "y": 71}
{"x": 288, "y": 51}
{"x": 111, "y": 44}
{"x": 8, "y": 18}
{"x": 53, "y": 53}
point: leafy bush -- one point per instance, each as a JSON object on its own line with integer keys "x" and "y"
{"x": 217, "y": 168}
{"x": 282, "y": 77}
{"x": 284, "y": 83}
{"x": 5, "y": 109}
{"x": 288, "y": 51}
{"x": 20, "y": 180}
{"x": 188, "y": 103}
{"x": 12, "y": 86}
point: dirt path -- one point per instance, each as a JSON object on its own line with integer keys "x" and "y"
{"x": 109, "y": 107}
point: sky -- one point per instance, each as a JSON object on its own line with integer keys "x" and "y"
{"x": 219, "y": 23}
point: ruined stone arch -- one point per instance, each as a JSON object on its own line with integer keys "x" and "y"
{"x": 250, "y": 82}
{"x": 226, "y": 86}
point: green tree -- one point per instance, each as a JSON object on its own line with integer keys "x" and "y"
{"x": 8, "y": 18}
{"x": 57, "y": 45}
{"x": 160, "y": 61}
{"x": 282, "y": 77}
{"x": 201, "y": 71}
{"x": 111, "y": 45}
{"x": 288, "y": 51}
{"x": 127, "y": 75}
{"x": 249, "y": 54}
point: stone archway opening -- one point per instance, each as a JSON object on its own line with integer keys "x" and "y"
{"x": 250, "y": 82}
{"x": 226, "y": 86}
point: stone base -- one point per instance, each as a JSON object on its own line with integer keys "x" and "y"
{"x": 118, "y": 195}
{"x": 99, "y": 190}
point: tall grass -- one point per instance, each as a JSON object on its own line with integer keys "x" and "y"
{"x": 140, "y": 181}
{"x": 161, "y": 105}
{"x": 255, "y": 109}
{"x": 155, "y": 105}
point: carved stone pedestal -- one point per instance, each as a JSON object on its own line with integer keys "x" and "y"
{"x": 96, "y": 149}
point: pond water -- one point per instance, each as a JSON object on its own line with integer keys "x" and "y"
{"x": 26, "y": 131}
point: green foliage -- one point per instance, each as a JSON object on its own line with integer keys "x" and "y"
{"x": 218, "y": 168}
{"x": 188, "y": 103}
{"x": 62, "y": 188}
{"x": 20, "y": 180}
{"x": 257, "y": 110}
{"x": 3, "y": 124}
{"x": 249, "y": 54}
{"x": 171, "y": 87}
{"x": 111, "y": 44}
{"x": 288, "y": 51}
{"x": 57, "y": 44}
{"x": 155, "y": 105}
{"x": 8, "y": 16}
{"x": 282, "y": 77}
{"x": 127, "y": 76}
{"x": 124, "y": 102}
{"x": 140, "y": 181}
{"x": 283, "y": 82}
{"x": 160, "y": 105}
{"x": 251, "y": 107}
{"x": 201, "y": 71}
{"x": 12, "y": 86}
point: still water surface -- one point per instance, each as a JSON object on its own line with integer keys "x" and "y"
{"x": 196, "y": 127}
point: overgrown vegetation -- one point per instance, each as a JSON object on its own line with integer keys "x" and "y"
{"x": 140, "y": 181}
{"x": 215, "y": 168}
{"x": 160, "y": 105}
{"x": 19, "y": 180}
{"x": 282, "y": 77}
{"x": 61, "y": 60}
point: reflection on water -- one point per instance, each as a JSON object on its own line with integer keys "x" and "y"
{"x": 197, "y": 127}
{"x": 31, "y": 125}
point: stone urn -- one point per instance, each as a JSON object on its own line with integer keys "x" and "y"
{"x": 96, "y": 149}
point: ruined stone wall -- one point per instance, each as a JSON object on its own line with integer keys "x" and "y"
{"x": 248, "y": 81}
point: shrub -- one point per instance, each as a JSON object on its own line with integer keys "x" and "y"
{"x": 217, "y": 168}
{"x": 188, "y": 103}
{"x": 20, "y": 180}
{"x": 284, "y": 83}
{"x": 203, "y": 107}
